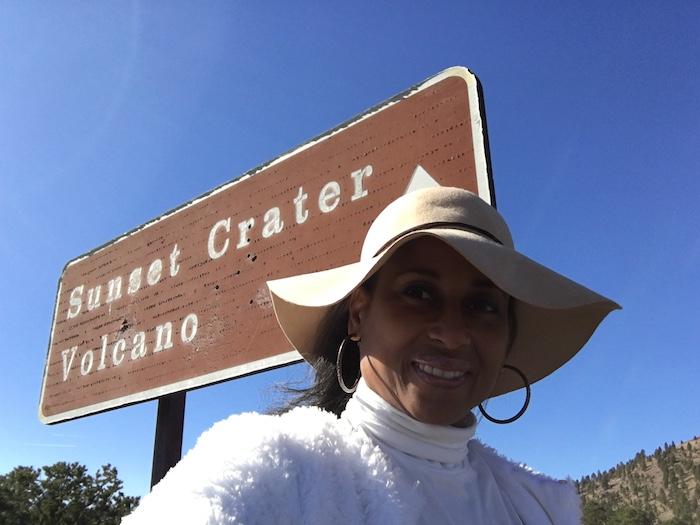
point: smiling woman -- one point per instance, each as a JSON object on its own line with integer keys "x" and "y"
{"x": 435, "y": 318}
{"x": 433, "y": 332}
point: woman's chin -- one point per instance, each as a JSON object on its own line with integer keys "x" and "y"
{"x": 461, "y": 418}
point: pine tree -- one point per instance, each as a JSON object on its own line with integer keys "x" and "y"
{"x": 63, "y": 494}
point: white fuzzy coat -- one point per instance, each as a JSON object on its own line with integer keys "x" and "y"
{"x": 308, "y": 467}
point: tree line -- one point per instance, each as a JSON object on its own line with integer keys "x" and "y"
{"x": 63, "y": 494}
{"x": 662, "y": 487}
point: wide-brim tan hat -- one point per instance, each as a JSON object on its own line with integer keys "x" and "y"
{"x": 555, "y": 315}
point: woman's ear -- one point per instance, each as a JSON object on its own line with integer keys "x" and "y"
{"x": 357, "y": 308}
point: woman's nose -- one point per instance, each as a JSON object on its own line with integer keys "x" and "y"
{"x": 451, "y": 329}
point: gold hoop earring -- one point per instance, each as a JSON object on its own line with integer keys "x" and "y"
{"x": 339, "y": 366}
{"x": 521, "y": 411}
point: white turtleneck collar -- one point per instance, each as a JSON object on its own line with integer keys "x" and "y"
{"x": 391, "y": 427}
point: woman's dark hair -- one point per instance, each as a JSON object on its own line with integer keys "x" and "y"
{"x": 325, "y": 392}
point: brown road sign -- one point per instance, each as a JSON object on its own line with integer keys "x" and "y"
{"x": 181, "y": 301}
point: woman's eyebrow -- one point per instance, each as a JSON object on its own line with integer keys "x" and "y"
{"x": 421, "y": 271}
{"x": 483, "y": 282}
{"x": 478, "y": 282}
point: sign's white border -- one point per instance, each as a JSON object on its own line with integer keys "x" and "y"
{"x": 484, "y": 191}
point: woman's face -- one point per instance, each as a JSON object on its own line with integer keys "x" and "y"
{"x": 433, "y": 332}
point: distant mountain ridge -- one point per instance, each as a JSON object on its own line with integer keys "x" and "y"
{"x": 662, "y": 487}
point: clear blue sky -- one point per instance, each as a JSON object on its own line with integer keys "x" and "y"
{"x": 112, "y": 113}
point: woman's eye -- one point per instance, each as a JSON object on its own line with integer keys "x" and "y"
{"x": 484, "y": 306}
{"x": 417, "y": 292}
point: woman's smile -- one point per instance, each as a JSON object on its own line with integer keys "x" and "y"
{"x": 440, "y": 376}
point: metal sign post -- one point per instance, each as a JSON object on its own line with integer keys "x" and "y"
{"x": 167, "y": 448}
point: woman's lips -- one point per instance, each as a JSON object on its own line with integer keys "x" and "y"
{"x": 444, "y": 373}
{"x": 439, "y": 372}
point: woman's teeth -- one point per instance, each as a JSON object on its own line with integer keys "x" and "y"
{"x": 438, "y": 372}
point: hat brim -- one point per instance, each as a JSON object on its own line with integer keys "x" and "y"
{"x": 555, "y": 315}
